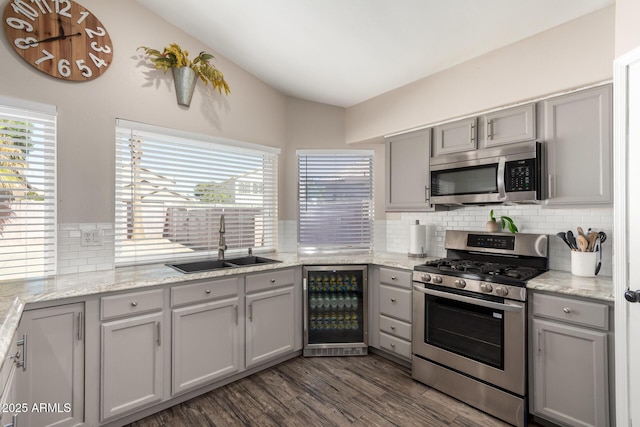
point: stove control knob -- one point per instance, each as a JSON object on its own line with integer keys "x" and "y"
{"x": 503, "y": 292}
{"x": 460, "y": 283}
{"x": 487, "y": 288}
{"x": 426, "y": 277}
{"x": 437, "y": 279}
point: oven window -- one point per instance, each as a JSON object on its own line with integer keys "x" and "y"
{"x": 471, "y": 180}
{"x": 466, "y": 329}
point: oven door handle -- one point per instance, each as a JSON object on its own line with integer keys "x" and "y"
{"x": 469, "y": 300}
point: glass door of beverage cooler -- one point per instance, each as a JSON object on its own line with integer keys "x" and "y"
{"x": 335, "y": 310}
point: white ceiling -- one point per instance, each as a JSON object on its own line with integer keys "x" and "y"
{"x": 342, "y": 52}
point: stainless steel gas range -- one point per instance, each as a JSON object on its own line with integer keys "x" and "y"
{"x": 470, "y": 319}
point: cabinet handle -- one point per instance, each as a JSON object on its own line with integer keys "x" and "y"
{"x": 567, "y": 310}
{"x": 551, "y": 183}
{"x": 490, "y": 129}
{"x": 394, "y": 278}
{"x": 472, "y": 132}
{"x": 14, "y": 421}
{"x": 22, "y": 362}
{"x": 251, "y": 312}
{"x": 393, "y": 345}
{"x": 80, "y": 327}
{"x": 236, "y": 310}
{"x": 539, "y": 336}
{"x": 393, "y": 328}
{"x": 134, "y": 303}
{"x": 159, "y": 333}
{"x": 393, "y": 300}
{"x": 273, "y": 280}
{"x": 208, "y": 291}
{"x": 426, "y": 194}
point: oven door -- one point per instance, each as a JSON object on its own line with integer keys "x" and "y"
{"x": 482, "y": 338}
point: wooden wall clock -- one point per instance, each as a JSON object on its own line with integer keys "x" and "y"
{"x": 58, "y": 37}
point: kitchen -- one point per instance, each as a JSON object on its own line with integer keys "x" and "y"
{"x": 279, "y": 121}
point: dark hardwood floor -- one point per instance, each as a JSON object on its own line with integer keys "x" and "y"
{"x": 324, "y": 391}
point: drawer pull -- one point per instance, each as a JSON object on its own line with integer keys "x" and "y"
{"x": 134, "y": 304}
{"x": 273, "y": 280}
{"x": 208, "y": 291}
{"x": 393, "y": 345}
{"x": 394, "y": 278}
{"x": 393, "y": 328}
{"x": 567, "y": 310}
{"x": 393, "y": 300}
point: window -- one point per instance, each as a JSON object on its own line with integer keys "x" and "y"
{"x": 27, "y": 190}
{"x": 335, "y": 200}
{"x": 172, "y": 188}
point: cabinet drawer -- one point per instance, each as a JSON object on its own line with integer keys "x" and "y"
{"x": 395, "y": 277}
{"x": 570, "y": 310}
{"x": 395, "y": 302}
{"x": 131, "y": 304}
{"x": 395, "y": 345}
{"x": 205, "y": 291}
{"x": 395, "y": 327}
{"x": 269, "y": 280}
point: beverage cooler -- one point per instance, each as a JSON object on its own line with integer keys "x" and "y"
{"x": 335, "y": 310}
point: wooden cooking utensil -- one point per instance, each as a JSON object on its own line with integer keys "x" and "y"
{"x": 583, "y": 243}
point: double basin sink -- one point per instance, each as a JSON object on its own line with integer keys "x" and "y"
{"x": 214, "y": 264}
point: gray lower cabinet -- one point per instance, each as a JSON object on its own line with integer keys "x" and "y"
{"x": 50, "y": 381}
{"x": 391, "y": 311}
{"x": 10, "y": 407}
{"x": 407, "y": 171}
{"x": 570, "y": 361}
{"x": 579, "y": 145}
{"x": 273, "y": 321}
{"x": 206, "y": 333}
{"x": 132, "y": 362}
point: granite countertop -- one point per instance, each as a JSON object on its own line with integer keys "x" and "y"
{"x": 14, "y": 295}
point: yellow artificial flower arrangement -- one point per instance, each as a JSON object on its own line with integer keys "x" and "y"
{"x": 173, "y": 56}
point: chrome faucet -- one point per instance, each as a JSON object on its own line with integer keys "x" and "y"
{"x": 222, "y": 245}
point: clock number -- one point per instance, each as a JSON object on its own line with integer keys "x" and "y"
{"x": 20, "y": 6}
{"x": 83, "y": 17}
{"x": 85, "y": 71}
{"x": 64, "y": 68}
{"x": 19, "y": 24}
{"x": 46, "y": 57}
{"x": 25, "y": 43}
{"x": 99, "y": 31}
{"x": 65, "y": 10}
{"x": 98, "y": 61}
{"x": 105, "y": 49}
{"x": 43, "y": 6}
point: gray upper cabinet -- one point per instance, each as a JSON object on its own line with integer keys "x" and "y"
{"x": 407, "y": 171}
{"x": 578, "y": 138}
{"x": 455, "y": 137}
{"x": 514, "y": 124}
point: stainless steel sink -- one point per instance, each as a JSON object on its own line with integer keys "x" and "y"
{"x": 213, "y": 265}
{"x": 251, "y": 260}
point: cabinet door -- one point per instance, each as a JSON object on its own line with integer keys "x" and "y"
{"x": 132, "y": 364}
{"x": 407, "y": 171}
{"x": 271, "y": 326}
{"x": 579, "y": 147}
{"x": 511, "y": 125}
{"x": 10, "y": 406}
{"x": 205, "y": 344}
{"x": 456, "y": 137}
{"x": 52, "y": 377}
{"x": 570, "y": 374}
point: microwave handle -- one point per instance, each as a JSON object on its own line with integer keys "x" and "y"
{"x": 502, "y": 193}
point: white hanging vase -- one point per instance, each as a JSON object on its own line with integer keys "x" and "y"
{"x": 184, "y": 79}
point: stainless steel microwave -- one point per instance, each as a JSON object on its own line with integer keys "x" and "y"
{"x": 512, "y": 174}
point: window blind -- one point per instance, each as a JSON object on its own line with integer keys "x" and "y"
{"x": 172, "y": 188}
{"x": 27, "y": 190}
{"x": 335, "y": 200}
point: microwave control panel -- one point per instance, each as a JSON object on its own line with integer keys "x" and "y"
{"x": 520, "y": 175}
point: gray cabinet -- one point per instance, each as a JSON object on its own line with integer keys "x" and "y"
{"x": 391, "y": 308}
{"x": 273, "y": 305}
{"x": 515, "y": 124}
{"x": 10, "y": 407}
{"x": 570, "y": 361}
{"x": 578, "y": 137}
{"x": 455, "y": 137}
{"x": 206, "y": 333}
{"x": 52, "y": 348}
{"x": 132, "y": 362}
{"x": 407, "y": 171}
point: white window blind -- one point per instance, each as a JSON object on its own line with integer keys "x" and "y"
{"x": 27, "y": 190}
{"x": 335, "y": 200}
{"x": 172, "y": 188}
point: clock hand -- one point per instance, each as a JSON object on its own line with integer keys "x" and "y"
{"x": 51, "y": 39}
{"x": 60, "y": 26}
